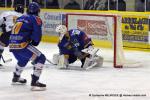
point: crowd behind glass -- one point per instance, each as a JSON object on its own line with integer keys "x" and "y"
{"x": 120, "y": 5}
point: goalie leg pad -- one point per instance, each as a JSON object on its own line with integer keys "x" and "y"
{"x": 93, "y": 62}
{"x": 56, "y": 58}
{"x": 99, "y": 61}
{"x": 89, "y": 63}
{"x": 63, "y": 62}
{"x": 86, "y": 63}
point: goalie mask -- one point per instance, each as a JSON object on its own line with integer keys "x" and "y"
{"x": 61, "y": 30}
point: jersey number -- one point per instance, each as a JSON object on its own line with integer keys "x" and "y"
{"x": 17, "y": 27}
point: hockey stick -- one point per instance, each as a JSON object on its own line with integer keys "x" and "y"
{"x": 50, "y": 62}
{"x": 6, "y": 61}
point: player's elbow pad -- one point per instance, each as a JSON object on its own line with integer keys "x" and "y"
{"x": 34, "y": 43}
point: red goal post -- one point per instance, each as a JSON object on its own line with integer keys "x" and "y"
{"x": 106, "y": 24}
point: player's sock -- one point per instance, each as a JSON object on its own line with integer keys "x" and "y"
{"x": 17, "y": 80}
{"x": 36, "y": 85}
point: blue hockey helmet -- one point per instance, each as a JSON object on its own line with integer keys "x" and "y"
{"x": 33, "y": 8}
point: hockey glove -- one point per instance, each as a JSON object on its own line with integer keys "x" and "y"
{"x": 3, "y": 27}
{"x": 34, "y": 43}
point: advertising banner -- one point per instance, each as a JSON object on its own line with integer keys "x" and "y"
{"x": 135, "y": 28}
{"x": 94, "y": 28}
{"x": 50, "y": 21}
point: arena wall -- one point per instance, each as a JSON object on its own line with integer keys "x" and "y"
{"x": 135, "y": 26}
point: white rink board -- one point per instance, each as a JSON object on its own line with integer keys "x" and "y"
{"x": 78, "y": 85}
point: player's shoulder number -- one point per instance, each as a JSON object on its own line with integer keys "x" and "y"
{"x": 17, "y": 27}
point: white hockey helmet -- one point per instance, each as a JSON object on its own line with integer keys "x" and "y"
{"x": 61, "y": 29}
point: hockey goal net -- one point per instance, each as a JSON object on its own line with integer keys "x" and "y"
{"x": 103, "y": 28}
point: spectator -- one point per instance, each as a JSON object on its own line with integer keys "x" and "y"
{"x": 72, "y": 5}
{"x": 18, "y": 2}
{"x": 25, "y": 3}
{"x": 121, "y": 5}
{"x": 40, "y": 2}
{"x": 148, "y": 5}
{"x": 2, "y": 3}
{"x": 99, "y": 5}
{"x": 9, "y": 2}
{"x": 52, "y": 4}
{"x": 113, "y": 5}
{"x": 140, "y": 5}
{"x": 89, "y": 4}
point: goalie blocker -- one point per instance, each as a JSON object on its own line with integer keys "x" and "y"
{"x": 92, "y": 61}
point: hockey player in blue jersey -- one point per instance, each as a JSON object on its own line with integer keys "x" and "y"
{"x": 75, "y": 44}
{"x": 26, "y": 34}
{"x": 7, "y": 20}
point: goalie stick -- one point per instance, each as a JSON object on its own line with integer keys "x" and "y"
{"x": 50, "y": 62}
{"x": 6, "y": 61}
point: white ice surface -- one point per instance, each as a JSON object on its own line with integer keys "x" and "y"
{"x": 78, "y": 85}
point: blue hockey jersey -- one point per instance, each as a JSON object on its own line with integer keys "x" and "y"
{"x": 26, "y": 29}
{"x": 74, "y": 39}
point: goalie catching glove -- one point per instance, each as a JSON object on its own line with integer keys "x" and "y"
{"x": 90, "y": 50}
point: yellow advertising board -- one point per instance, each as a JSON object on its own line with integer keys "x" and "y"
{"x": 135, "y": 29}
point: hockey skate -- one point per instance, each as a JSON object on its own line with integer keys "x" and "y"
{"x": 36, "y": 85}
{"x": 18, "y": 81}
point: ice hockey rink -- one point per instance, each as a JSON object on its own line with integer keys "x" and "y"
{"x": 104, "y": 83}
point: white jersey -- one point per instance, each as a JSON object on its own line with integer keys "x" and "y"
{"x": 8, "y": 18}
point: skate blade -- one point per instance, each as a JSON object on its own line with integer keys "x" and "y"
{"x": 35, "y": 88}
{"x": 17, "y": 83}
